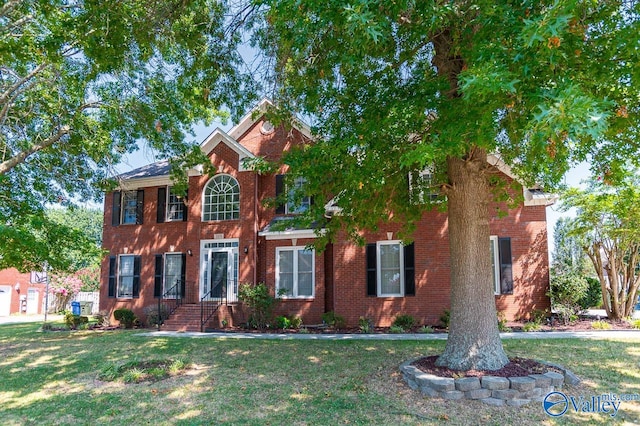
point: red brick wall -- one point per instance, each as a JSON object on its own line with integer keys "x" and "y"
{"x": 10, "y": 277}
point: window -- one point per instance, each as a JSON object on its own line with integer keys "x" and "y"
{"x": 421, "y": 187}
{"x": 170, "y": 275}
{"x": 124, "y": 276}
{"x": 390, "y": 269}
{"x": 127, "y": 208}
{"x": 501, "y": 265}
{"x": 221, "y": 199}
{"x": 295, "y": 272}
{"x": 295, "y": 204}
{"x": 171, "y": 207}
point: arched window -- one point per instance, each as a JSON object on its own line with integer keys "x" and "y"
{"x": 221, "y": 199}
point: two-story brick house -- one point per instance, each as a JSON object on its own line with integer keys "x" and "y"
{"x": 202, "y": 246}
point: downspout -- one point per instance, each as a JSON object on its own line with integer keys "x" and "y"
{"x": 255, "y": 229}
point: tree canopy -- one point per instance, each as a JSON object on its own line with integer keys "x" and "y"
{"x": 83, "y": 82}
{"x": 398, "y": 88}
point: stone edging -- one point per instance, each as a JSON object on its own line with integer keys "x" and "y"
{"x": 492, "y": 390}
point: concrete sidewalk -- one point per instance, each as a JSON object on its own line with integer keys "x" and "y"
{"x": 600, "y": 334}
{"x": 20, "y": 319}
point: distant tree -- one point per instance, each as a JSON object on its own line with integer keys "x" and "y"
{"x": 89, "y": 223}
{"x": 83, "y": 82}
{"x": 608, "y": 224}
{"x": 568, "y": 255}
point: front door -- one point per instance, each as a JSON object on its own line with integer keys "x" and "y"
{"x": 220, "y": 274}
{"x": 32, "y": 301}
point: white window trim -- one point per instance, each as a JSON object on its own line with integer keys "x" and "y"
{"x": 204, "y": 195}
{"x": 119, "y": 275}
{"x": 166, "y": 207}
{"x": 123, "y": 207}
{"x": 295, "y": 249}
{"x": 496, "y": 264}
{"x": 289, "y": 208}
{"x": 379, "y": 268}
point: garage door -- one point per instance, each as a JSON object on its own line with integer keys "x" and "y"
{"x": 5, "y": 300}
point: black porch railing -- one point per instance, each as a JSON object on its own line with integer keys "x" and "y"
{"x": 224, "y": 294}
{"x": 170, "y": 300}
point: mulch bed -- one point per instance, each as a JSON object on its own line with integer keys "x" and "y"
{"x": 517, "y": 367}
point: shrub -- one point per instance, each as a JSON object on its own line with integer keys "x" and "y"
{"x": 295, "y": 322}
{"x": 593, "y": 294}
{"x": 282, "y": 322}
{"x": 260, "y": 304}
{"x": 334, "y": 320}
{"x": 531, "y": 326}
{"x": 425, "y": 329}
{"x": 636, "y": 323}
{"x": 539, "y": 316}
{"x": 404, "y": 321}
{"x": 394, "y": 329}
{"x": 600, "y": 325}
{"x": 153, "y": 318}
{"x": 125, "y": 316}
{"x": 365, "y": 325}
{"x": 75, "y": 321}
{"x": 502, "y": 323}
{"x": 304, "y": 330}
{"x": 103, "y": 318}
{"x": 445, "y": 318}
{"x": 566, "y": 291}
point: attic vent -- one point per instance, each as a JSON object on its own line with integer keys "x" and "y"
{"x": 267, "y": 128}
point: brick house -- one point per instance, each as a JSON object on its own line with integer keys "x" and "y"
{"x": 21, "y": 293}
{"x": 198, "y": 249}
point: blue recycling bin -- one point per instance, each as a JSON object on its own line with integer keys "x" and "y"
{"x": 75, "y": 308}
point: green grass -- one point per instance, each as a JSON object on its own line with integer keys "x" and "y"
{"x": 52, "y": 378}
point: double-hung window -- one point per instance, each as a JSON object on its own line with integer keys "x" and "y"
{"x": 390, "y": 269}
{"x": 501, "y": 265}
{"x": 124, "y": 276}
{"x": 294, "y": 203}
{"x": 170, "y": 275}
{"x": 127, "y": 208}
{"x": 171, "y": 207}
{"x": 295, "y": 272}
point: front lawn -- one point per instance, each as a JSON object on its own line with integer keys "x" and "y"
{"x": 55, "y": 378}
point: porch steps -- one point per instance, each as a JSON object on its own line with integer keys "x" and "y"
{"x": 187, "y": 318}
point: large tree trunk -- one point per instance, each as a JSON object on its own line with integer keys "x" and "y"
{"x": 474, "y": 339}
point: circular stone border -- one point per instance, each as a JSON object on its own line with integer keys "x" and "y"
{"x": 492, "y": 390}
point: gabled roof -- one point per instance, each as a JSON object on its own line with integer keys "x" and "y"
{"x": 219, "y": 136}
{"x": 256, "y": 113}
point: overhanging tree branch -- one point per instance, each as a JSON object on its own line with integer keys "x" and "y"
{"x": 20, "y": 157}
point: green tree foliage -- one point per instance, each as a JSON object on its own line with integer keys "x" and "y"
{"x": 568, "y": 256}
{"x": 608, "y": 223}
{"x": 89, "y": 223}
{"x": 83, "y": 82}
{"x": 398, "y": 87}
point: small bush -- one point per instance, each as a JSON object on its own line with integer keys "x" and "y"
{"x": 531, "y": 326}
{"x": 593, "y": 295}
{"x": 260, "y": 303}
{"x": 425, "y": 329}
{"x": 304, "y": 330}
{"x": 404, "y": 321}
{"x": 365, "y": 325}
{"x": 153, "y": 317}
{"x": 395, "y": 329}
{"x": 295, "y": 322}
{"x": 566, "y": 291}
{"x": 502, "y": 323}
{"x": 600, "y": 325}
{"x": 635, "y": 323}
{"x": 103, "y": 318}
{"x": 73, "y": 322}
{"x": 282, "y": 322}
{"x": 539, "y": 316}
{"x": 125, "y": 316}
{"x": 445, "y": 318}
{"x": 334, "y": 320}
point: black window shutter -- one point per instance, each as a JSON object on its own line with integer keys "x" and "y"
{"x": 140, "y": 207}
{"x": 162, "y": 204}
{"x": 409, "y": 271}
{"x": 372, "y": 276}
{"x": 183, "y": 274}
{"x": 184, "y": 207}
{"x": 136, "y": 276}
{"x": 157, "y": 289}
{"x": 115, "y": 208}
{"x": 279, "y": 191}
{"x": 506, "y": 266}
{"x": 112, "y": 276}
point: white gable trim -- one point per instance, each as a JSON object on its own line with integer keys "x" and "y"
{"x": 218, "y": 136}
{"x": 256, "y": 114}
